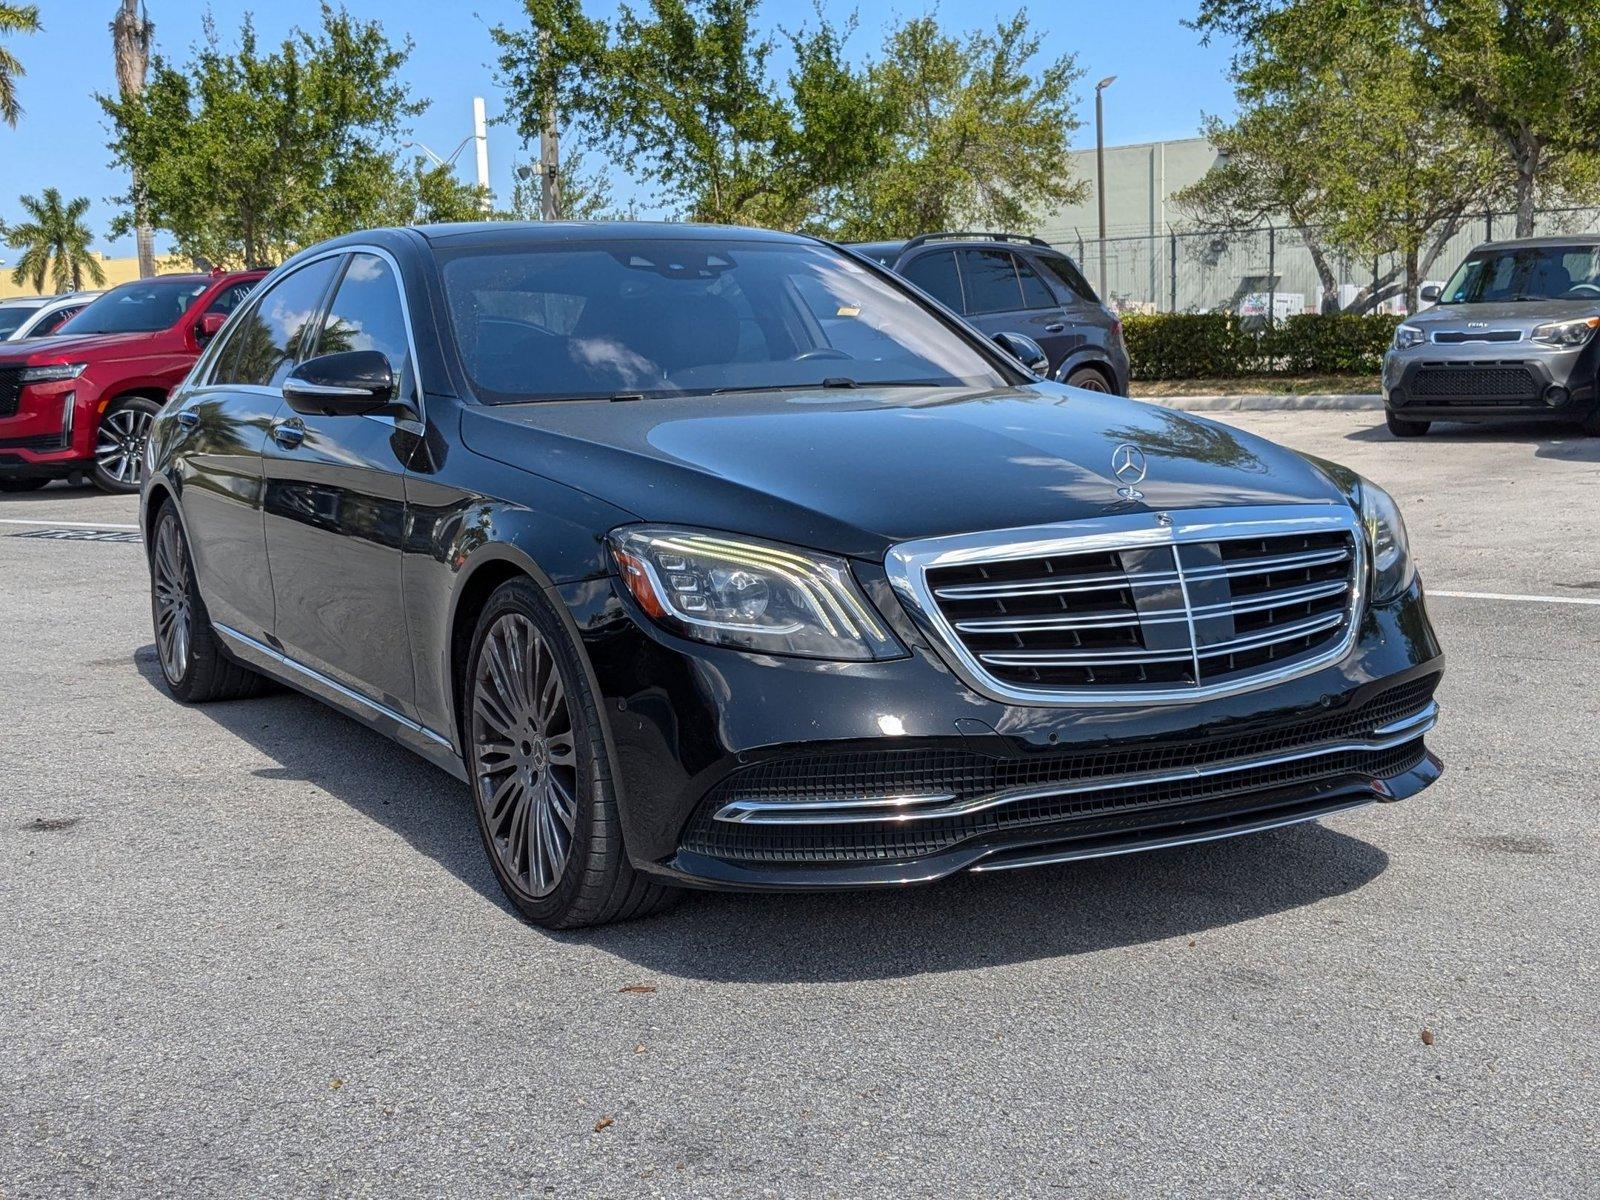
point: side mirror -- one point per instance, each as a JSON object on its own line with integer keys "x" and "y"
{"x": 1025, "y": 350}
{"x": 352, "y": 383}
{"x": 210, "y": 325}
{"x": 1430, "y": 293}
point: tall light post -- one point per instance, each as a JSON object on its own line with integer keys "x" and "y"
{"x": 1100, "y": 169}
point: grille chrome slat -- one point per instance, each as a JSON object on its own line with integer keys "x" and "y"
{"x": 1206, "y": 602}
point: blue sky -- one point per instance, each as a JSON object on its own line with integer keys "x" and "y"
{"x": 1165, "y": 78}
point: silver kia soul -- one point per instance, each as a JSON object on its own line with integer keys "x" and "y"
{"x": 1512, "y": 335}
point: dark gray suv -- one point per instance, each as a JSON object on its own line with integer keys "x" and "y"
{"x": 1010, "y": 283}
{"x": 1512, "y": 335}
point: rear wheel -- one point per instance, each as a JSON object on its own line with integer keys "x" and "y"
{"x": 22, "y": 485}
{"x": 193, "y": 662}
{"x": 119, "y": 444}
{"x": 541, "y": 780}
{"x": 1088, "y": 379}
{"x": 1401, "y": 427}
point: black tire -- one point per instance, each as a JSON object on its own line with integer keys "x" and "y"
{"x": 203, "y": 670}
{"x": 1402, "y": 427}
{"x": 1088, "y": 379}
{"x": 22, "y": 485}
{"x": 119, "y": 445}
{"x": 537, "y": 765}
{"x": 1591, "y": 423}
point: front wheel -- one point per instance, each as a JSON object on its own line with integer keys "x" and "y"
{"x": 1088, "y": 379}
{"x": 119, "y": 444}
{"x": 1401, "y": 427}
{"x": 541, "y": 780}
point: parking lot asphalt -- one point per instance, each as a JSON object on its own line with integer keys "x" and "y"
{"x": 254, "y": 949}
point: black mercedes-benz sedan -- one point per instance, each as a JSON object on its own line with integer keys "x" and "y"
{"x": 727, "y": 558}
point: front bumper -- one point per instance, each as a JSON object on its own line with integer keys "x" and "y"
{"x": 1473, "y": 382}
{"x": 46, "y": 433}
{"x": 708, "y": 746}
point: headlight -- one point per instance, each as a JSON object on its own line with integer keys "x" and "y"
{"x": 752, "y": 595}
{"x": 1407, "y": 336}
{"x": 1567, "y": 333}
{"x": 1387, "y": 545}
{"x": 54, "y": 373}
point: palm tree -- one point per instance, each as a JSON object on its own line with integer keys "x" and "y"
{"x": 132, "y": 33}
{"x": 14, "y": 18}
{"x": 55, "y": 242}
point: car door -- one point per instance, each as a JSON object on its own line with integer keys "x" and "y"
{"x": 1087, "y": 319}
{"x": 997, "y": 301}
{"x": 224, "y": 420}
{"x": 335, "y": 505}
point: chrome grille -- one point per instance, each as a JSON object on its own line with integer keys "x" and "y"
{"x": 1134, "y": 609}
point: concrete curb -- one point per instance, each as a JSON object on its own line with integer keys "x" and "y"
{"x": 1268, "y": 403}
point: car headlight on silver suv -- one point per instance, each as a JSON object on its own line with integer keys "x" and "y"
{"x": 749, "y": 594}
{"x": 51, "y": 373}
{"x": 1387, "y": 544}
{"x": 1407, "y": 336}
{"x": 1567, "y": 333}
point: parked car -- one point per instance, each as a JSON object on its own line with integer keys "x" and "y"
{"x": 1512, "y": 334}
{"x": 81, "y": 402}
{"x": 1012, "y": 283}
{"x": 28, "y": 317}
{"x": 723, "y": 558}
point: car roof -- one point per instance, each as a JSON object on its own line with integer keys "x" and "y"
{"x": 1532, "y": 243}
{"x": 27, "y": 301}
{"x": 511, "y": 232}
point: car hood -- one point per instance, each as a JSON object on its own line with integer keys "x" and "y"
{"x": 1504, "y": 314}
{"x": 65, "y": 348}
{"x": 855, "y": 472}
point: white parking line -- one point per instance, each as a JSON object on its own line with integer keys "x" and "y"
{"x": 1519, "y": 599}
{"x": 65, "y": 524}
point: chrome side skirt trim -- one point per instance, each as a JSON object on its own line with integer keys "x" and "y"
{"x": 278, "y": 658}
{"x": 900, "y": 810}
{"x": 1214, "y": 834}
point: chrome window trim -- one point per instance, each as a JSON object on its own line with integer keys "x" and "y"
{"x": 908, "y": 563}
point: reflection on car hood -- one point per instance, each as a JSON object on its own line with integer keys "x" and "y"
{"x": 857, "y": 471}
{"x": 1505, "y": 314}
{"x": 99, "y": 346}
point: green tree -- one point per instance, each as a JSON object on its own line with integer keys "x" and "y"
{"x": 685, "y": 95}
{"x": 424, "y": 194}
{"x": 243, "y": 155}
{"x": 54, "y": 242}
{"x": 14, "y": 19}
{"x": 978, "y": 138}
{"x": 582, "y": 194}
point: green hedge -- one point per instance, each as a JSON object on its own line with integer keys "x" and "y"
{"x": 1224, "y": 345}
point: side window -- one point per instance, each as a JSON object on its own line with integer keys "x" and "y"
{"x": 49, "y": 324}
{"x": 1035, "y": 292}
{"x": 1067, "y": 272}
{"x": 936, "y": 274}
{"x": 266, "y": 341}
{"x": 366, "y": 315}
{"x": 229, "y": 298}
{"x": 990, "y": 279}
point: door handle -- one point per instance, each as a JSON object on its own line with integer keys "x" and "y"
{"x": 188, "y": 418}
{"x": 288, "y": 433}
{"x": 1058, "y": 327}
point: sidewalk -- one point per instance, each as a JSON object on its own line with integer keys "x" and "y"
{"x": 1266, "y": 402}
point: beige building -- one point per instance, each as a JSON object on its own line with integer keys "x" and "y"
{"x": 118, "y": 270}
{"x": 1140, "y": 182}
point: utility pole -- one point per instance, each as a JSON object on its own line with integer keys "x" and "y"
{"x": 131, "y": 34}
{"x": 480, "y": 134}
{"x": 1100, "y": 170}
{"x": 549, "y": 145}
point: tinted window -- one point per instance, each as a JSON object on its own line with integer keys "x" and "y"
{"x": 1035, "y": 293}
{"x": 366, "y": 315}
{"x": 1530, "y": 273}
{"x": 936, "y": 274}
{"x": 50, "y": 322}
{"x": 141, "y": 307}
{"x": 990, "y": 280}
{"x": 667, "y": 316}
{"x": 229, "y": 298}
{"x": 1064, "y": 270}
{"x": 12, "y": 316}
{"x": 266, "y": 340}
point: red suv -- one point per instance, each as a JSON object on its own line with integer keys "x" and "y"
{"x": 81, "y": 402}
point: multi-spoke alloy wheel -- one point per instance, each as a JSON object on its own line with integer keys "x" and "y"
{"x": 525, "y": 757}
{"x": 120, "y": 442}
{"x": 169, "y": 577}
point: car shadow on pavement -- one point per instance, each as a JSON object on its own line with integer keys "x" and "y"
{"x": 964, "y": 922}
{"x": 1548, "y": 441}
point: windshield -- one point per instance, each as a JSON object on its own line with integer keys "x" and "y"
{"x": 1531, "y": 273}
{"x": 142, "y": 307}
{"x": 657, "y": 317}
{"x": 13, "y": 315}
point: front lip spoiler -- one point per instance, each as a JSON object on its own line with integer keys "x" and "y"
{"x": 1005, "y": 852}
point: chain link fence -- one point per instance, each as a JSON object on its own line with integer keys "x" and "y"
{"x": 1257, "y": 272}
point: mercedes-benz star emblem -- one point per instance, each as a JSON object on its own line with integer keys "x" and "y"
{"x": 1128, "y": 465}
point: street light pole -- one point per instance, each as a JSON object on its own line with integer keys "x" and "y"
{"x": 1100, "y": 169}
